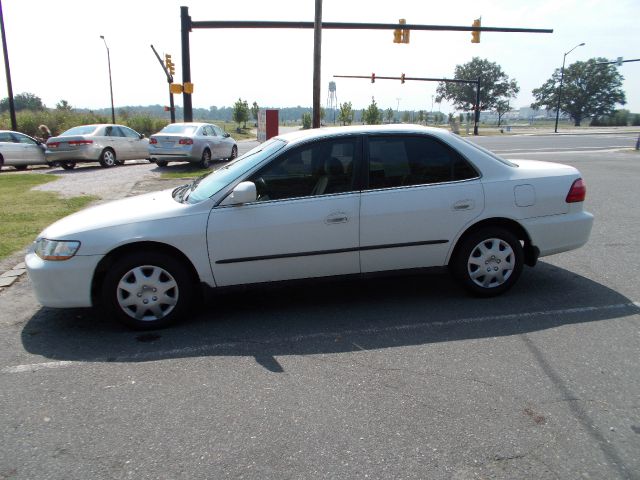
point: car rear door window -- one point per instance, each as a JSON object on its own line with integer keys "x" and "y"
{"x": 400, "y": 161}
{"x": 319, "y": 168}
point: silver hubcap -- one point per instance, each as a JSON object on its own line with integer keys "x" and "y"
{"x": 491, "y": 263}
{"x": 109, "y": 158}
{"x": 147, "y": 293}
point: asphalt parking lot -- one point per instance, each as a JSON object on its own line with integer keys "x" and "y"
{"x": 398, "y": 377}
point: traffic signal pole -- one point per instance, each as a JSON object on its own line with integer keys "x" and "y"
{"x": 170, "y": 81}
{"x": 187, "y": 25}
{"x": 403, "y": 78}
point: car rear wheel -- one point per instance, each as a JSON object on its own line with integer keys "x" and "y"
{"x": 205, "y": 162}
{"x": 488, "y": 262}
{"x": 108, "y": 158}
{"x": 162, "y": 163}
{"x": 147, "y": 290}
{"x": 234, "y": 152}
{"x": 68, "y": 165}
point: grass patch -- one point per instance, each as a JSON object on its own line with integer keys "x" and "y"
{"x": 25, "y": 213}
{"x": 185, "y": 172}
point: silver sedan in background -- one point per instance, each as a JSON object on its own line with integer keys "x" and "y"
{"x": 19, "y": 150}
{"x": 191, "y": 142}
{"x": 105, "y": 143}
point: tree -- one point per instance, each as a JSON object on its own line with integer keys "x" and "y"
{"x": 64, "y": 106}
{"x": 494, "y": 86}
{"x": 421, "y": 116}
{"x": 306, "y": 121}
{"x": 588, "y": 90}
{"x": 389, "y": 115}
{"x": 241, "y": 112}
{"x": 502, "y": 107}
{"x": 23, "y": 101}
{"x": 346, "y": 113}
{"x": 254, "y": 111}
{"x": 371, "y": 115}
{"x": 405, "y": 116}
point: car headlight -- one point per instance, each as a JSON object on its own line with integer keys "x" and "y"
{"x": 56, "y": 249}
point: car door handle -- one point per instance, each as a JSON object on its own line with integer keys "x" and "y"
{"x": 338, "y": 217}
{"x": 463, "y": 205}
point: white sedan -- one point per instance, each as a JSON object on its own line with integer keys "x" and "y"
{"x": 317, "y": 203}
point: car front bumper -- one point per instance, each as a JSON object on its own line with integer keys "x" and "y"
{"x": 62, "y": 284}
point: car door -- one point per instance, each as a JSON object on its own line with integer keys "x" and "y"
{"x": 138, "y": 147}
{"x": 30, "y": 152}
{"x": 10, "y": 150}
{"x": 223, "y": 143}
{"x": 114, "y": 138}
{"x": 420, "y": 194}
{"x": 213, "y": 141}
{"x": 304, "y": 224}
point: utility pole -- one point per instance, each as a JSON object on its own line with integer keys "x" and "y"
{"x": 317, "y": 49}
{"x": 12, "y": 107}
{"x": 185, "y": 21}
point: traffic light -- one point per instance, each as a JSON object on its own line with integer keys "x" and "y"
{"x": 402, "y": 78}
{"x": 475, "y": 35}
{"x": 373, "y": 78}
{"x": 169, "y": 64}
{"x": 401, "y": 35}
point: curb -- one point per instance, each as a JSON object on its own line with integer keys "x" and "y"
{"x": 9, "y": 277}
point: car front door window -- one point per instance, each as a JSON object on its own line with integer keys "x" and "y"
{"x": 321, "y": 168}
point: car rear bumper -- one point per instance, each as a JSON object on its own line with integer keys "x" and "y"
{"x": 79, "y": 155}
{"x": 62, "y": 284}
{"x": 559, "y": 233}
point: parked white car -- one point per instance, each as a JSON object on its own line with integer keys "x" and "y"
{"x": 19, "y": 150}
{"x": 317, "y": 203}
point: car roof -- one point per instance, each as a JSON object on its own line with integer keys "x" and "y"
{"x": 317, "y": 133}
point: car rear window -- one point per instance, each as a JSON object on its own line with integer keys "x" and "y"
{"x": 82, "y": 130}
{"x": 183, "y": 129}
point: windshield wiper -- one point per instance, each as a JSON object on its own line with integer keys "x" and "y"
{"x": 179, "y": 192}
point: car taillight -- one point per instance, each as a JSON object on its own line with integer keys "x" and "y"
{"x": 578, "y": 192}
{"x": 153, "y": 141}
{"x": 186, "y": 141}
{"x": 80, "y": 142}
{"x": 53, "y": 144}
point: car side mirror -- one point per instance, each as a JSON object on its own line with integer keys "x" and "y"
{"x": 226, "y": 135}
{"x": 244, "y": 192}
{"x": 141, "y": 136}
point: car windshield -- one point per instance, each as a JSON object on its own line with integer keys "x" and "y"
{"x": 205, "y": 187}
{"x": 82, "y": 130}
{"x": 183, "y": 129}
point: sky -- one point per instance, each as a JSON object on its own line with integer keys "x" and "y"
{"x": 55, "y": 49}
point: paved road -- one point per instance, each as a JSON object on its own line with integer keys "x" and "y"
{"x": 386, "y": 378}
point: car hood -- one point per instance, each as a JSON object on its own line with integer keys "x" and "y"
{"x": 141, "y": 208}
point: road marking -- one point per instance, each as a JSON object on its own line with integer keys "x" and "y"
{"x": 203, "y": 349}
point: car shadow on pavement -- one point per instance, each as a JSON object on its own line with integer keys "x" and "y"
{"x": 332, "y": 317}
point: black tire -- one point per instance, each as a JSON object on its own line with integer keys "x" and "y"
{"x": 68, "y": 165}
{"x": 205, "y": 162}
{"x": 128, "y": 290}
{"x": 234, "y": 152}
{"x": 1, "y": 162}
{"x": 488, "y": 262}
{"x": 108, "y": 158}
{"x": 20, "y": 167}
{"x": 162, "y": 163}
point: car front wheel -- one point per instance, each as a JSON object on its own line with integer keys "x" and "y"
{"x": 488, "y": 262}
{"x": 148, "y": 290}
{"x": 234, "y": 152}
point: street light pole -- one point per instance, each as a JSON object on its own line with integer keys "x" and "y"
{"x": 113, "y": 112}
{"x": 561, "y": 80}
